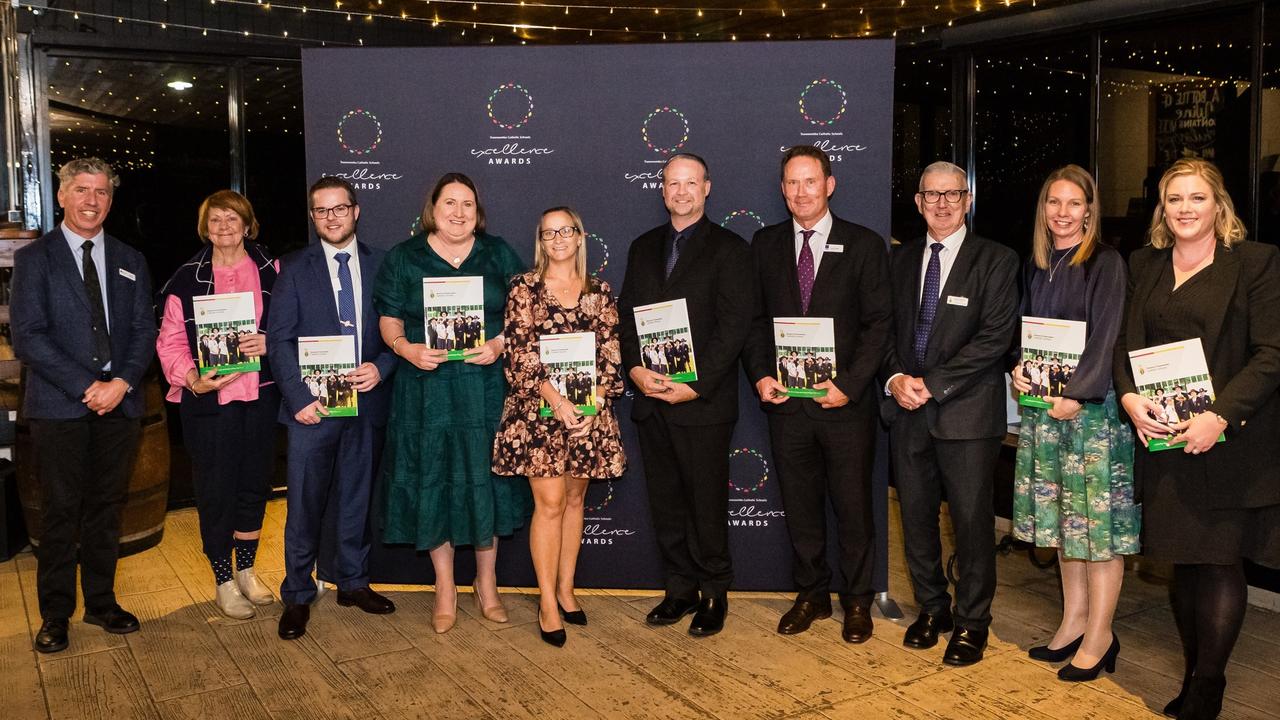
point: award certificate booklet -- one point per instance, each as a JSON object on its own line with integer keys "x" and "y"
{"x": 1176, "y": 378}
{"x": 220, "y": 321}
{"x": 666, "y": 345}
{"x": 325, "y": 361}
{"x": 1051, "y": 350}
{"x": 570, "y": 362}
{"x": 453, "y": 311}
{"x": 806, "y": 354}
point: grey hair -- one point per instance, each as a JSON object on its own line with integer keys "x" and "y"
{"x": 942, "y": 166}
{"x": 90, "y": 165}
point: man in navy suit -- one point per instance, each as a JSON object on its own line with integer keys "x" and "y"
{"x": 327, "y": 289}
{"x": 82, "y": 370}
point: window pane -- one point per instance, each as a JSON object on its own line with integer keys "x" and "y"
{"x": 1031, "y": 116}
{"x": 921, "y": 133}
{"x": 275, "y": 157}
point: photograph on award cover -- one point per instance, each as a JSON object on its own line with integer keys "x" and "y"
{"x": 453, "y": 311}
{"x": 1051, "y": 350}
{"x": 220, "y": 322}
{"x": 805, "y": 349}
{"x": 1176, "y": 378}
{"x": 666, "y": 345}
{"x": 570, "y": 362}
{"x": 324, "y": 362}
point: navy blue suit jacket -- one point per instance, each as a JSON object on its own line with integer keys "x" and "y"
{"x": 302, "y": 305}
{"x": 53, "y": 333}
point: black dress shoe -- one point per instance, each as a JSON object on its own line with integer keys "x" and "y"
{"x": 367, "y": 600}
{"x": 670, "y": 610}
{"x": 293, "y": 621}
{"x": 114, "y": 619}
{"x": 52, "y": 636}
{"x": 966, "y": 647}
{"x": 857, "y": 624}
{"x": 802, "y": 614}
{"x": 575, "y": 617}
{"x": 1072, "y": 673}
{"x": 709, "y": 619}
{"x": 923, "y": 633}
{"x": 1045, "y": 654}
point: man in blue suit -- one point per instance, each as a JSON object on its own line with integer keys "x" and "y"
{"x": 327, "y": 289}
{"x": 83, "y": 325}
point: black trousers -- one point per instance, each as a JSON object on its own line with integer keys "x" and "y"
{"x": 232, "y": 462}
{"x": 687, "y": 472}
{"x": 817, "y": 460}
{"x": 922, "y": 467}
{"x": 84, "y": 469}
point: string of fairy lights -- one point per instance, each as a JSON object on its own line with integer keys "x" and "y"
{"x": 555, "y": 18}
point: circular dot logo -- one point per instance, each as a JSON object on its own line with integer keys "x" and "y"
{"x": 745, "y": 219}
{"x": 359, "y": 132}
{"x": 510, "y": 106}
{"x": 593, "y": 510}
{"x": 598, "y": 242}
{"x": 665, "y": 130}
{"x": 823, "y": 102}
{"x": 747, "y": 463}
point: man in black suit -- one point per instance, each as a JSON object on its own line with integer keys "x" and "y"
{"x": 83, "y": 325}
{"x": 815, "y": 264}
{"x": 685, "y": 428}
{"x": 955, "y": 299}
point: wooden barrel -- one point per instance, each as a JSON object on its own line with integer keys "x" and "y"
{"x": 142, "y": 521}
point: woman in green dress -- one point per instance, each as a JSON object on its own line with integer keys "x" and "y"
{"x": 439, "y": 490}
{"x": 1073, "y": 477}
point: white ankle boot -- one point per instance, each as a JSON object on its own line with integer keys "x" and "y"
{"x": 232, "y": 603}
{"x": 252, "y": 588}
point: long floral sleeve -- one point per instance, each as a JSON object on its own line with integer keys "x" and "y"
{"x": 523, "y": 366}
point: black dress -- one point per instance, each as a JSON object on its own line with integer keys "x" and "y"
{"x": 1176, "y": 528}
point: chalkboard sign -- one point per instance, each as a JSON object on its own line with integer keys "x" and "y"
{"x": 1187, "y": 121}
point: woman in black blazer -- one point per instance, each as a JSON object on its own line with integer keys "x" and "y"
{"x": 1210, "y": 504}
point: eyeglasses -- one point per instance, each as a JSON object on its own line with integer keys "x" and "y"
{"x": 337, "y": 211}
{"x": 933, "y": 196}
{"x": 550, "y": 234}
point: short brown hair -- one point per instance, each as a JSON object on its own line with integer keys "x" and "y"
{"x": 227, "y": 200}
{"x": 1227, "y": 226}
{"x": 428, "y": 223}
{"x": 808, "y": 151}
{"x": 328, "y": 182}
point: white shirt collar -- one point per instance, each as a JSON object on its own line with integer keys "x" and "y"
{"x": 331, "y": 252}
{"x": 75, "y": 241}
{"x": 950, "y": 242}
{"x": 822, "y": 228}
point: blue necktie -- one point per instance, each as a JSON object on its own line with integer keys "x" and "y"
{"x": 675, "y": 254}
{"x": 928, "y": 304}
{"x": 347, "y": 300}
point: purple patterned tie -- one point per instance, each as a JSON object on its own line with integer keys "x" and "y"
{"x": 804, "y": 271}
{"x": 928, "y": 303}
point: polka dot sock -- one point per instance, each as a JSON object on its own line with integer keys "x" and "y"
{"x": 246, "y": 552}
{"x": 221, "y": 569}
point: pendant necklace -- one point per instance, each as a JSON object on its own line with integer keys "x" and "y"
{"x": 1054, "y": 267}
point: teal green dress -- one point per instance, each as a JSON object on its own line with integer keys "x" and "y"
{"x": 437, "y": 483}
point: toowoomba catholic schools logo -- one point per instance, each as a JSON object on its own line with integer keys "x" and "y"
{"x": 664, "y": 132}
{"x": 743, "y": 222}
{"x": 748, "y": 476}
{"x": 599, "y": 527}
{"x": 359, "y": 134}
{"x": 823, "y": 105}
{"x": 510, "y": 108}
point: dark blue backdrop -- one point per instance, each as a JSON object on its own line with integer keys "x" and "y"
{"x": 590, "y": 127}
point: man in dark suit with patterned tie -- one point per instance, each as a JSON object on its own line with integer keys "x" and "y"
{"x": 685, "y": 428}
{"x": 955, "y": 298}
{"x": 327, "y": 289}
{"x": 816, "y": 265}
{"x": 84, "y": 326}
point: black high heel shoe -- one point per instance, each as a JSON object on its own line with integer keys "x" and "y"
{"x": 1071, "y": 673}
{"x": 577, "y": 617}
{"x": 553, "y": 637}
{"x": 1045, "y": 654}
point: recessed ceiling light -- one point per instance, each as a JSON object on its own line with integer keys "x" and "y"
{"x": 180, "y": 85}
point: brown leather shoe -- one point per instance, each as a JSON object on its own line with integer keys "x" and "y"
{"x": 802, "y": 614}
{"x": 857, "y": 624}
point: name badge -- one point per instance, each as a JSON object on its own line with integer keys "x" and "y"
{"x": 958, "y": 300}
{"x": 127, "y": 274}
{"x": 834, "y": 248}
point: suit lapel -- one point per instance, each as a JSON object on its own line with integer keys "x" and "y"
{"x": 1226, "y": 274}
{"x": 785, "y": 260}
{"x": 830, "y": 265}
{"x": 118, "y": 287}
{"x": 324, "y": 286}
{"x": 64, "y": 261}
{"x": 369, "y": 316}
{"x": 1136, "y": 329}
{"x": 913, "y": 256}
{"x": 694, "y": 248}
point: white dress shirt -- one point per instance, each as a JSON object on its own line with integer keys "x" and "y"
{"x": 946, "y": 257}
{"x": 331, "y": 262}
{"x": 99, "y": 258}
{"x": 817, "y": 242}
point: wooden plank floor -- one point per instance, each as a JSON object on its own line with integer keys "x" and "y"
{"x": 190, "y": 662}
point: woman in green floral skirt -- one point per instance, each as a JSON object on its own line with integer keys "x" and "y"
{"x": 1073, "y": 480}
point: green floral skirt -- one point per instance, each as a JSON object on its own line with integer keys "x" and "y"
{"x": 1073, "y": 483}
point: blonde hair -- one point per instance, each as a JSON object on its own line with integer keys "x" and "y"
{"x": 540, "y": 259}
{"x": 227, "y": 200}
{"x": 1041, "y": 241}
{"x": 1227, "y": 226}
